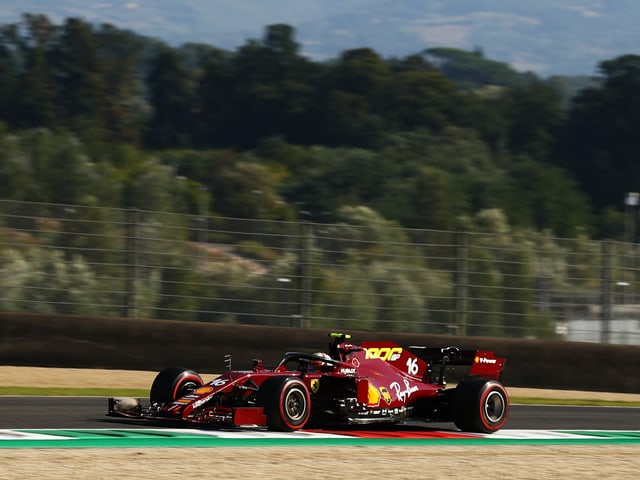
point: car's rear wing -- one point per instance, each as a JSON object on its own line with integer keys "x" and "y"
{"x": 483, "y": 363}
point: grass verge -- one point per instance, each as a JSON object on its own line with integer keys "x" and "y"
{"x": 74, "y": 392}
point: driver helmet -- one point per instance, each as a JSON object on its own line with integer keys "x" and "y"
{"x": 323, "y": 355}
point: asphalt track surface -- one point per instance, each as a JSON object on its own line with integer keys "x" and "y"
{"x": 89, "y": 412}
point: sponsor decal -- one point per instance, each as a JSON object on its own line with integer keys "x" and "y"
{"x": 348, "y": 371}
{"x": 198, "y": 403}
{"x": 486, "y": 360}
{"x": 315, "y": 385}
{"x": 203, "y": 390}
{"x": 403, "y": 393}
{"x": 388, "y": 354}
{"x": 377, "y": 412}
{"x": 373, "y": 397}
{"x": 385, "y": 395}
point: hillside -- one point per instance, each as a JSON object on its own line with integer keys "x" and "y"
{"x": 547, "y": 37}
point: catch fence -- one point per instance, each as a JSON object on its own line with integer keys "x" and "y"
{"x": 143, "y": 264}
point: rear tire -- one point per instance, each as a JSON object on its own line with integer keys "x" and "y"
{"x": 480, "y": 405}
{"x": 286, "y": 402}
{"x": 173, "y": 383}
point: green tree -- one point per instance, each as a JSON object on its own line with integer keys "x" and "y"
{"x": 81, "y": 91}
{"x": 328, "y": 178}
{"x": 361, "y": 235}
{"x": 41, "y": 280}
{"x": 16, "y": 180}
{"x": 171, "y": 95}
{"x": 270, "y": 92}
{"x": 600, "y": 141}
{"x": 38, "y": 165}
{"x": 8, "y": 80}
{"x": 218, "y": 118}
{"x": 399, "y": 301}
{"x": 343, "y": 300}
{"x": 249, "y": 190}
{"x": 506, "y": 268}
{"x": 544, "y": 197}
{"x": 417, "y": 198}
{"x": 120, "y": 55}
{"x": 354, "y": 100}
{"x": 533, "y": 114}
{"x": 418, "y": 99}
{"x": 35, "y": 96}
{"x": 430, "y": 200}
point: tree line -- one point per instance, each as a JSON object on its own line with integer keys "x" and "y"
{"x": 96, "y": 115}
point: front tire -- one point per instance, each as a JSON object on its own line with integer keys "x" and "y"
{"x": 286, "y": 402}
{"x": 480, "y": 405}
{"x": 173, "y": 383}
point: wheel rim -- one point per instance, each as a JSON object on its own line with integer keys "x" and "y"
{"x": 494, "y": 407}
{"x": 295, "y": 404}
{"x": 186, "y": 388}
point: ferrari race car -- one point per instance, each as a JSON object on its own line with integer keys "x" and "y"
{"x": 374, "y": 382}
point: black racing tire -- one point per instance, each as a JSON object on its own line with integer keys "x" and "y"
{"x": 480, "y": 405}
{"x": 286, "y": 402}
{"x": 173, "y": 383}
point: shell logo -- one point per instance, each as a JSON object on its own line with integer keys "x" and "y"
{"x": 373, "y": 396}
{"x": 203, "y": 390}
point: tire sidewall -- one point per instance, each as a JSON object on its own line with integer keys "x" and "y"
{"x": 294, "y": 386}
{"x": 169, "y": 383}
{"x": 273, "y": 395}
{"x": 470, "y": 405}
{"x": 490, "y": 389}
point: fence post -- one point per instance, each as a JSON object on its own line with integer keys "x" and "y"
{"x": 461, "y": 281}
{"x": 131, "y": 266}
{"x": 305, "y": 273}
{"x": 606, "y": 292}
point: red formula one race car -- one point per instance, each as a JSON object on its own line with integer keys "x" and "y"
{"x": 374, "y": 382}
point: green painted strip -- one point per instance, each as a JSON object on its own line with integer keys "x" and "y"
{"x": 90, "y": 434}
{"x": 156, "y": 438}
{"x": 280, "y": 442}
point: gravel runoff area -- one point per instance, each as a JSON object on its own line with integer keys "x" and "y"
{"x": 312, "y": 463}
{"x": 437, "y": 462}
